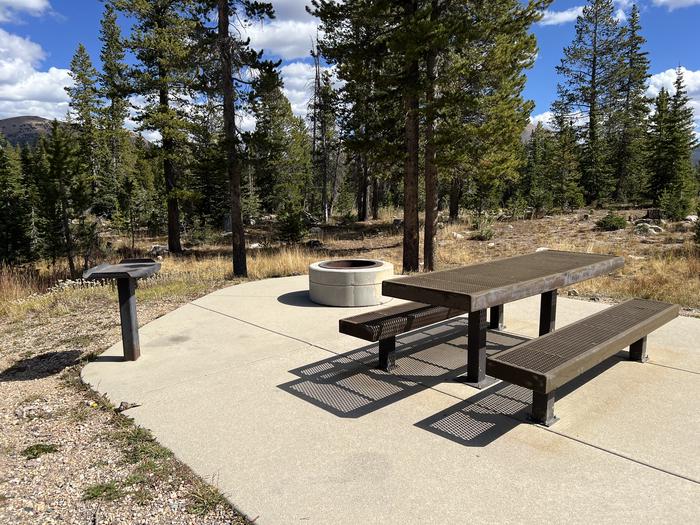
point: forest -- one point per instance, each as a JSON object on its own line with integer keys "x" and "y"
{"x": 415, "y": 104}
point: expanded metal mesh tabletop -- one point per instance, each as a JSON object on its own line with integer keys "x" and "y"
{"x": 126, "y": 269}
{"x": 493, "y": 283}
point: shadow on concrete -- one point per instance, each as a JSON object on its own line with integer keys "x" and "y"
{"x": 486, "y": 416}
{"x": 40, "y": 366}
{"x": 298, "y": 298}
{"x": 349, "y": 386}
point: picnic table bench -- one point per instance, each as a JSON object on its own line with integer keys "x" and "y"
{"x": 546, "y": 363}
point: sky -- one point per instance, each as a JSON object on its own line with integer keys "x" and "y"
{"x": 39, "y": 37}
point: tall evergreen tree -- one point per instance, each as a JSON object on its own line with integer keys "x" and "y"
{"x": 628, "y": 122}
{"x": 84, "y": 112}
{"x": 163, "y": 40}
{"x": 590, "y": 71}
{"x": 15, "y": 208}
{"x": 114, "y": 88}
{"x": 672, "y": 143}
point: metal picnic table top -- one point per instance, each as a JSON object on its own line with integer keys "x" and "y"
{"x": 484, "y": 285}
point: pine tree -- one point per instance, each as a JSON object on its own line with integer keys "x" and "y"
{"x": 536, "y": 181}
{"x": 15, "y": 208}
{"x": 628, "y": 123}
{"x": 565, "y": 169}
{"x": 591, "y": 71}
{"x": 84, "y": 113}
{"x": 114, "y": 88}
{"x": 672, "y": 142}
{"x": 163, "y": 40}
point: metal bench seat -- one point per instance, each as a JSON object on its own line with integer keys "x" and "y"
{"x": 552, "y": 360}
{"x": 385, "y": 324}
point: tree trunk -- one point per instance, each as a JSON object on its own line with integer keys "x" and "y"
{"x": 411, "y": 240}
{"x": 430, "y": 175}
{"x": 233, "y": 167}
{"x": 68, "y": 239}
{"x": 375, "y": 197}
{"x": 455, "y": 197}
{"x": 361, "y": 199}
{"x": 170, "y": 174}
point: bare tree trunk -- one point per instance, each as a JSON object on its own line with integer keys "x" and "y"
{"x": 411, "y": 239}
{"x": 170, "y": 175}
{"x": 233, "y": 166}
{"x": 430, "y": 175}
{"x": 375, "y": 197}
{"x": 67, "y": 236}
{"x": 455, "y": 197}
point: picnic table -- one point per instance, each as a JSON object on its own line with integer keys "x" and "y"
{"x": 476, "y": 288}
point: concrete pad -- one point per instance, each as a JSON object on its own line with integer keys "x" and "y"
{"x": 256, "y": 391}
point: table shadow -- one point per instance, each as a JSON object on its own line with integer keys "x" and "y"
{"x": 488, "y": 415}
{"x": 348, "y": 385}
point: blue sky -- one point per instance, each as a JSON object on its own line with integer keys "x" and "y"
{"x": 38, "y": 38}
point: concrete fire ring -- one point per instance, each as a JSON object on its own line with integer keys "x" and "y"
{"x": 349, "y": 282}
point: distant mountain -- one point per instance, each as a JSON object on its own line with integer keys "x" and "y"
{"x": 24, "y": 130}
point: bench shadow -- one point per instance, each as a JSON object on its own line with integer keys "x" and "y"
{"x": 488, "y": 415}
{"x": 348, "y": 385}
{"x": 40, "y": 366}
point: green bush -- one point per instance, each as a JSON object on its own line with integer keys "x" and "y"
{"x": 611, "y": 223}
{"x": 291, "y": 226}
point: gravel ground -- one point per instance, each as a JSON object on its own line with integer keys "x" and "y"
{"x": 66, "y": 456}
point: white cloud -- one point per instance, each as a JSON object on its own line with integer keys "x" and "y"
{"x": 692, "y": 85}
{"x": 24, "y": 88}
{"x": 298, "y": 80}
{"x": 553, "y": 18}
{"x": 291, "y": 9}
{"x": 287, "y": 39}
{"x": 675, "y": 4}
{"x": 10, "y": 8}
{"x": 545, "y": 118}
{"x": 620, "y": 15}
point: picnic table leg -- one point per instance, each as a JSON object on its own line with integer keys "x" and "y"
{"x": 387, "y": 354}
{"x": 638, "y": 350}
{"x": 548, "y": 312}
{"x": 126, "y": 289}
{"x": 496, "y": 318}
{"x": 476, "y": 351}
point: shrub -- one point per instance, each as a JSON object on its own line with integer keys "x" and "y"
{"x": 611, "y": 223}
{"x": 291, "y": 225}
{"x": 697, "y": 230}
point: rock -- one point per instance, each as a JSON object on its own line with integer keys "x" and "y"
{"x": 158, "y": 251}
{"x": 642, "y": 221}
{"x": 647, "y": 229}
{"x": 125, "y": 405}
{"x": 691, "y": 218}
{"x": 315, "y": 231}
{"x": 314, "y": 244}
{"x": 585, "y": 217}
{"x": 637, "y": 257}
{"x": 510, "y": 226}
{"x": 573, "y": 292}
{"x": 397, "y": 223}
{"x": 457, "y": 236}
{"x": 595, "y": 299}
{"x": 254, "y": 246}
{"x": 542, "y": 249}
{"x": 251, "y": 222}
{"x": 683, "y": 227}
{"x": 491, "y": 244}
{"x": 441, "y": 225}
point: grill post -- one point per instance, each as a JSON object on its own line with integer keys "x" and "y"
{"x": 496, "y": 318}
{"x": 548, "y": 312}
{"x": 638, "y": 350}
{"x": 126, "y": 288}
{"x": 543, "y": 409}
{"x": 387, "y": 353}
